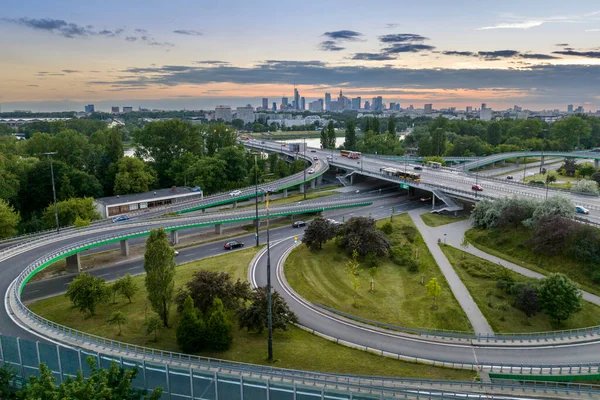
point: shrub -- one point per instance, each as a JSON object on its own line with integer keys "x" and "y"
{"x": 191, "y": 328}
{"x": 410, "y": 232}
{"x": 527, "y": 299}
{"x": 400, "y": 255}
{"x": 412, "y": 265}
{"x": 387, "y": 228}
{"x": 559, "y": 297}
{"x": 584, "y": 186}
{"x": 218, "y": 328}
{"x": 372, "y": 260}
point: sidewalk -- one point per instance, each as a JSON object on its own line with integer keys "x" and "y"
{"x": 454, "y": 235}
{"x": 462, "y": 295}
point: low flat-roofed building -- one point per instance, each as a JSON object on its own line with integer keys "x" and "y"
{"x": 129, "y": 203}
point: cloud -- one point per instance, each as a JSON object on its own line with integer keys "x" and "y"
{"x": 459, "y": 53}
{"x": 372, "y": 57}
{"x": 131, "y": 38}
{"x": 343, "y": 35}
{"x": 33, "y": 85}
{"x": 592, "y": 30}
{"x": 392, "y": 25}
{"x": 402, "y": 38}
{"x": 140, "y": 31}
{"x": 109, "y": 33}
{"x": 497, "y": 54}
{"x": 212, "y": 62}
{"x": 407, "y": 48}
{"x": 69, "y": 71}
{"x": 587, "y": 54}
{"x": 189, "y": 32}
{"x": 562, "y": 44}
{"x": 330, "y": 45}
{"x": 538, "y": 56}
{"x": 514, "y": 25}
{"x": 521, "y": 22}
{"x": 56, "y": 26}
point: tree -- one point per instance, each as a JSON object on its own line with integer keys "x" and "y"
{"x": 494, "y": 133}
{"x": 556, "y": 206}
{"x": 569, "y": 132}
{"x": 208, "y": 173}
{"x": 255, "y": 316}
{"x": 324, "y": 140}
{"x": 117, "y": 318}
{"x": 596, "y": 177}
{"x": 330, "y": 135}
{"x": 191, "y": 329}
{"x": 362, "y": 235}
{"x": 527, "y": 300}
{"x": 438, "y": 142}
{"x": 372, "y": 273}
{"x": 72, "y": 148}
{"x": 586, "y": 187}
{"x": 464, "y": 243}
{"x": 218, "y": 328}
{"x": 350, "y": 137}
{"x": 352, "y": 272}
{"x": 153, "y": 325}
{"x": 126, "y": 287}
{"x": 559, "y": 297}
{"x": 205, "y": 286}
{"x": 109, "y": 384}
{"x": 159, "y": 264}
{"x": 87, "y": 291}
{"x": 433, "y": 290}
{"x": 9, "y": 220}
{"x": 236, "y": 166}
{"x": 318, "y": 231}
{"x": 114, "y": 145}
{"x": 391, "y": 127}
{"x": 81, "y": 222}
{"x": 133, "y": 176}
{"x": 586, "y": 169}
{"x": 69, "y": 211}
{"x": 217, "y": 137}
{"x": 7, "y": 375}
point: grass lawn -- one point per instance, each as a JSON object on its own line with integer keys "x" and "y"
{"x": 479, "y": 276}
{"x": 511, "y": 245}
{"x": 399, "y": 298}
{"x": 432, "y": 219}
{"x": 293, "y": 349}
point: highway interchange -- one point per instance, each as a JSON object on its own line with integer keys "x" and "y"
{"x": 282, "y": 241}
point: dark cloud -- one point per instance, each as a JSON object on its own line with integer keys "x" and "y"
{"x": 56, "y": 26}
{"x": 372, "y": 57}
{"x": 407, "y": 48}
{"x": 497, "y": 54}
{"x": 392, "y": 25}
{"x": 189, "y": 32}
{"x": 33, "y": 85}
{"x": 131, "y": 38}
{"x": 402, "y": 38}
{"x": 109, "y": 33}
{"x": 538, "y": 56}
{"x": 330, "y": 45}
{"x": 343, "y": 35}
{"x": 141, "y": 31}
{"x": 570, "y": 52}
{"x": 211, "y": 62}
{"x": 69, "y": 71}
{"x": 562, "y": 44}
{"x": 459, "y": 53}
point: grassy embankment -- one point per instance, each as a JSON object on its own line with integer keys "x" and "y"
{"x": 398, "y": 299}
{"x": 293, "y": 349}
{"x": 434, "y": 220}
{"x": 479, "y": 276}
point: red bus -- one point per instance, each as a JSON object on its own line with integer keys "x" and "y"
{"x": 350, "y": 154}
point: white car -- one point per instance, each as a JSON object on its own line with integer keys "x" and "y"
{"x": 176, "y": 252}
{"x": 235, "y": 193}
{"x": 311, "y": 171}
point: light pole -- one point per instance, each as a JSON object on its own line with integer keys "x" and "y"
{"x": 477, "y": 175}
{"x": 256, "y": 193}
{"x": 269, "y": 313}
{"x": 543, "y": 147}
{"x": 525, "y": 167}
{"x": 50, "y": 154}
{"x": 304, "y": 183}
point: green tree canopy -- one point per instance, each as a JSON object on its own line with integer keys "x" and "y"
{"x": 218, "y": 328}
{"x": 205, "y": 286}
{"x": 318, "y": 231}
{"x": 255, "y": 316}
{"x": 9, "y": 220}
{"x": 133, "y": 176}
{"x": 159, "y": 264}
{"x": 208, "y": 173}
{"x": 191, "y": 330}
{"x": 559, "y": 297}
{"x": 350, "y": 137}
{"x": 87, "y": 291}
{"x": 69, "y": 211}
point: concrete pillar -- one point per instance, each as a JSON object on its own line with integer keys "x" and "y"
{"x": 174, "y": 237}
{"x": 73, "y": 264}
{"x": 518, "y": 160}
{"x": 262, "y": 198}
{"x": 351, "y": 179}
{"x": 313, "y": 184}
{"x": 302, "y": 188}
{"x": 203, "y": 210}
{"x": 235, "y": 204}
{"x": 285, "y": 193}
{"x": 218, "y": 229}
{"x": 320, "y": 179}
{"x": 596, "y": 163}
{"x": 125, "y": 248}
{"x": 433, "y": 201}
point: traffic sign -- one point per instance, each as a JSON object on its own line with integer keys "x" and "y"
{"x": 403, "y": 186}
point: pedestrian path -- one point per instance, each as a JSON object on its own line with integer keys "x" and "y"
{"x": 462, "y": 295}
{"x": 454, "y": 236}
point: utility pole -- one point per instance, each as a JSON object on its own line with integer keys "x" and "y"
{"x": 269, "y": 311}
{"x": 50, "y": 154}
{"x": 304, "y": 187}
{"x": 256, "y": 194}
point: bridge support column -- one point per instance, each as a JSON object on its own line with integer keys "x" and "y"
{"x": 518, "y": 160}
{"x": 235, "y": 204}
{"x": 596, "y": 163}
{"x": 319, "y": 179}
{"x": 125, "y": 248}
{"x": 218, "y": 229}
{"x": 73, "y": 264}
{"x": 313, "y": 184}
{"x": 174, "y": 237}
{"x": 302, "y": 187}
{"x": 351, "y": 179}
{"x": 285, "y": 193}
{"x": 433, "y": 201}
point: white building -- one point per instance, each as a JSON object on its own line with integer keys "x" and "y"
{"x": 485, "y": 114}
{"x": 246, "y": 114}
{"x": 223, "y": 113}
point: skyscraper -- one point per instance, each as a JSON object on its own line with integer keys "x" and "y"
{"x": 296, "y": 99}
{"x": 284, "y": 103}
{"x": 302, "y": 103}
{"x": 89, "y": 108}
{"x": 570, "y": 108}
{"x": 483, "y": 106}
{"x": 469, "y": 109}
{"x": 367, "y": 105}
{"x": 327, "y": 101}
{"x": 377, "y": 104}
{"x": 428, "y": 108}
{"x": 356, "y": 103}
{"x": 265, "y": 103}
{"x": 274, "y": 106}
{"x": 392, "y": 106}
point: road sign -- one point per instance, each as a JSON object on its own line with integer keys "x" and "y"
{"x": 403, "y": 186}
{"x": 295, "y": 239}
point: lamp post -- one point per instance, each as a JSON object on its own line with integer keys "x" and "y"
{"x": 269, "y": 311}
{"x": 525, "y": 167}
{"x": 50, "y": 154}
{"x": 304, "y": 183}
{"x": 477, "y": 175}
{"x": 256, "y": 193}
{"x": 543, "y": 147}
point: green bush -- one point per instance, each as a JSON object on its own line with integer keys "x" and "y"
{"x": 218, "y": 328}
{"x": 410, "y": 232}
{"x": 387, "y": 228}
{"x": 372, "y": 260}
{"x": 413, "y": 266}
{"x": 191, "y": 329}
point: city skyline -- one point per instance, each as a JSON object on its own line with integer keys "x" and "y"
{"x": 543, "y": 57}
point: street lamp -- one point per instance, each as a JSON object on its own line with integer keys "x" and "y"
{"x": 269, "y": 311}
{"x": 543, "y": 147}
{"x": 525, "y": 167}
{"x": 50, "y": 154}
{"x": 256, "y": 193}
{"x": 304, "y": 183}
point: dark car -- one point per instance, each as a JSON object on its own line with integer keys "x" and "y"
{"x": 313, "y": 151}
{"x": 316, "y": 158}
{"x": 120, "y": 218}
{"x": 417, "y": 168}
{"x": 233, "y": 244}
{"x": 509, "y": 177}
{"x": 298, "y": 224}
{"x": 426, "y": 198}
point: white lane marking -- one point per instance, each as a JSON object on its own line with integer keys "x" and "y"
{"x": 104, "y": 274}
{"x": 31, "y": 291}
{"x": 132, "y": 268}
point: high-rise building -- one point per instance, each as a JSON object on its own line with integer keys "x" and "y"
{"x": 469, "y": 109}
{"x": 356, "y": 103}
{"x": 579, "y": 110}
{"x": 274, "y": 106}
{"x": 367, "y": 105}
{"x": 483, "y": 106}
{"x": 392, "y": 106}
{"x": 114, "y": 110}
{"x": 223, "y": 113}
{"x": 428, "y": 108}
{"x": 327, "y": 101}
{"x": 570, "y": 108}
{"x": 89, "y": 108}
{"x": 284, "y": 103}
{"x": 302, "y": 103}
{"x": 265, "y": 103}
{"x": 246, "y": 114}
{"x": 127, "y": 110}
{"x": 296, "y": 99}
{"x": 485, "y": 114}
{"x": 316, "y": 106}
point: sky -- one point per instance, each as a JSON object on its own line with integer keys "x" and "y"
{"x": 63, "y": 54}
